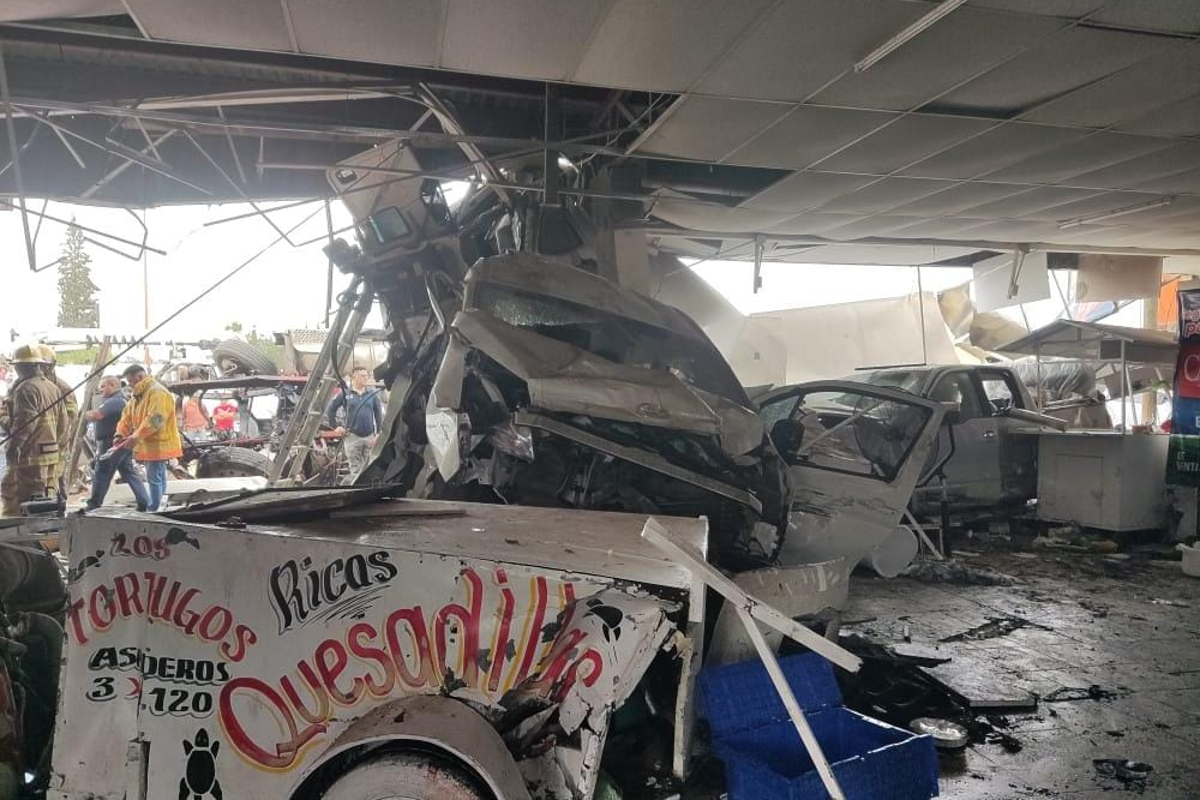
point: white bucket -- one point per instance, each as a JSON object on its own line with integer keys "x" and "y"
{"x": 1191, "y": 559}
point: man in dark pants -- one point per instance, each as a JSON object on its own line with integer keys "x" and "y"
{"x": 105, "y": 420}
{"x": 364, "y": 418}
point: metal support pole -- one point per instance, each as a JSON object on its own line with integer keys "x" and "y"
{"x": 93, "y": 382}
{"x": 921, "y": 306}
{"x": 15, "y": 152}
{"x": 553, "y": 123}
{"x": 1041, "y": 400}
{"x": 329, "y": 275}
{"x": 759, "y": 246}
{"x": 1125, "y": 398}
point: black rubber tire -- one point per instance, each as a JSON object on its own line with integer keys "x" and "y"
{"x": 235, "y": 357}
{"x": 233, "y": 462}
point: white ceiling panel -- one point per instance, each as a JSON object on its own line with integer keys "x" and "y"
{"x": 1085, "y": 155}
{"x": 807, "y": 135}
{"x": 1026, "y": 203}
{"x": 908, "y": 139}
{"x": 997, "y": 148}
{"x": 1059, "y": 64}
{"x": 377, "y": 30}
{"x": 956, "y": 48}
{"x": 1175, "y": 119}
{"x": 804, "y": 190}
{"x": 812, "y": 222}
{"x": 878, "y": 225}
{"x": 958, "y": 196}
{"x": 945, "y": 228}
{"x": 891, "y": 256}
{"x": 713, "y": 217}
{"x": 473, "y": 27}
{"x": 1099, "y": 204}
{"x": 1177, "y": 16}
{"x": 707, "y": 128}
{"x": 1127, "y": 95}
{"x": 229, "y": 23}
{"x": 1172, "y": 184}
{"x": 802, "y": 44}
{"x": 1068, "y": 9}
{"x": 887, "y": 193}
{"x": 1168, "y": 161}
{"x": 21, "y": 10}
{"x": 662, "y": 45}
{"x": 1012, "y": 230}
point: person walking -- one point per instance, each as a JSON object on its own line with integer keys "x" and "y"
{"x": 67, "y": 412}
{"x": 104, "y": 420}
{"x": 31, "y": 420}
{"x": 148, "y": 427}
{"x": 364, "y": 417}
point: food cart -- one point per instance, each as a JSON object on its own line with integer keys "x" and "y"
{"x": 289, "y": 645}
{"x": 1105, "y": 479}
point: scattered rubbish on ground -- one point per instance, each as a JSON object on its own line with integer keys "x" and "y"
{"x": 1158, "y": 601}
{"x": 1070, "y": 694}
{"x": 957, "y": 572}
{"x": 993, "y": 628}
{"x": 1131, "y": 773}
{"x": 1099, "y": 609}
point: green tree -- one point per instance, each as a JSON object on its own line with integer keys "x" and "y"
{"x": 77, "y": 304}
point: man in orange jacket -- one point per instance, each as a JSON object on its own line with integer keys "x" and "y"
{"x": 148, "y": 426}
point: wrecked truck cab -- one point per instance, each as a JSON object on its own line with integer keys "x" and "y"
{"x": 557, "y": 387}
{"x": 317, "y": 653}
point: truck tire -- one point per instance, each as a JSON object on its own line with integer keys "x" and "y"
{"x": 235, "y": 357}
{"x": 233, "y": 462}
{"x": 407, "y": 775}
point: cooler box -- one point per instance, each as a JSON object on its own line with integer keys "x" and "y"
{"x": 763, "y": 754}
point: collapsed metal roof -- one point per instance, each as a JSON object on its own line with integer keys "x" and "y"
{"x": 1068, "y": 122}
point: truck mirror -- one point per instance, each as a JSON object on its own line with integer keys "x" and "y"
{"x": 953, "y": 413}
{"x": 787, "y": 434}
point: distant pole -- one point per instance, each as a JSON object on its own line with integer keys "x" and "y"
{"x": 921, "y": 305}
{"x": 146, "y": 294}
{"x": 329, "y": 277}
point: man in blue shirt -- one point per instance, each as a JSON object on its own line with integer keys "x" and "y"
{"x": 104, "y": 424}
{"x": 364, "y": 417}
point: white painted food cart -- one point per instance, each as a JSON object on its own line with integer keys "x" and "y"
{"x": 417, "y": 641}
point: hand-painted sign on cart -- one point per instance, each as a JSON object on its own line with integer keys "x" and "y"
{"x": 208, "y": 662}
{"x": 1183, "y": 459}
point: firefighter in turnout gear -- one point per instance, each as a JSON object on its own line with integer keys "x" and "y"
{"x": 32, "y": 423}
{"x": 67, "y": 412}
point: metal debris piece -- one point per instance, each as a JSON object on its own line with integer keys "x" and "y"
{"x": 1068, "y": 694}
{"x": 1131, "y": 773}
{"x": 994, "y": 628}
{"x": 946, "y": 735}
{"x": 958, "y": 573}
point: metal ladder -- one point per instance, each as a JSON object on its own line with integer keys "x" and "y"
{"x": 297, "y": 441}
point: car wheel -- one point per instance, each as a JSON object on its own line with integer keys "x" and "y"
{"x": 233, "y": 462}
{"x": 407, "y": 776}
{"x": 236, "y": 357}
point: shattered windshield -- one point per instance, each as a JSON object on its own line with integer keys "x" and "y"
{"x": 907, "y": 380}
{"x": 615, "y": 338}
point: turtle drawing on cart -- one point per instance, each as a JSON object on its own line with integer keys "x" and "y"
{"x": 200, "y": 773}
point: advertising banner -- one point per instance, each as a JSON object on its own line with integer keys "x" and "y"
{"x": 1183, "y": 460}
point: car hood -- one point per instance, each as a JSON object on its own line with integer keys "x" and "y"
{"x": 568, "y": 379}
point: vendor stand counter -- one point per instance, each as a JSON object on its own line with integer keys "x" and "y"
{"x": 1102, "y": 479}
{"x": 271, "y": 641}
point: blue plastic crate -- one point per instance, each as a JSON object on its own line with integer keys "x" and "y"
{"x": 763, "y": 754}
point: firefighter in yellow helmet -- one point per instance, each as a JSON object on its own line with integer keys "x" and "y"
{"x": 32, "y": 426}
{"x": 67, "y": 412}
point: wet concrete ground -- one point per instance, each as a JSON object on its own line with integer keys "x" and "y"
{"x": 1131, "y": 627}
